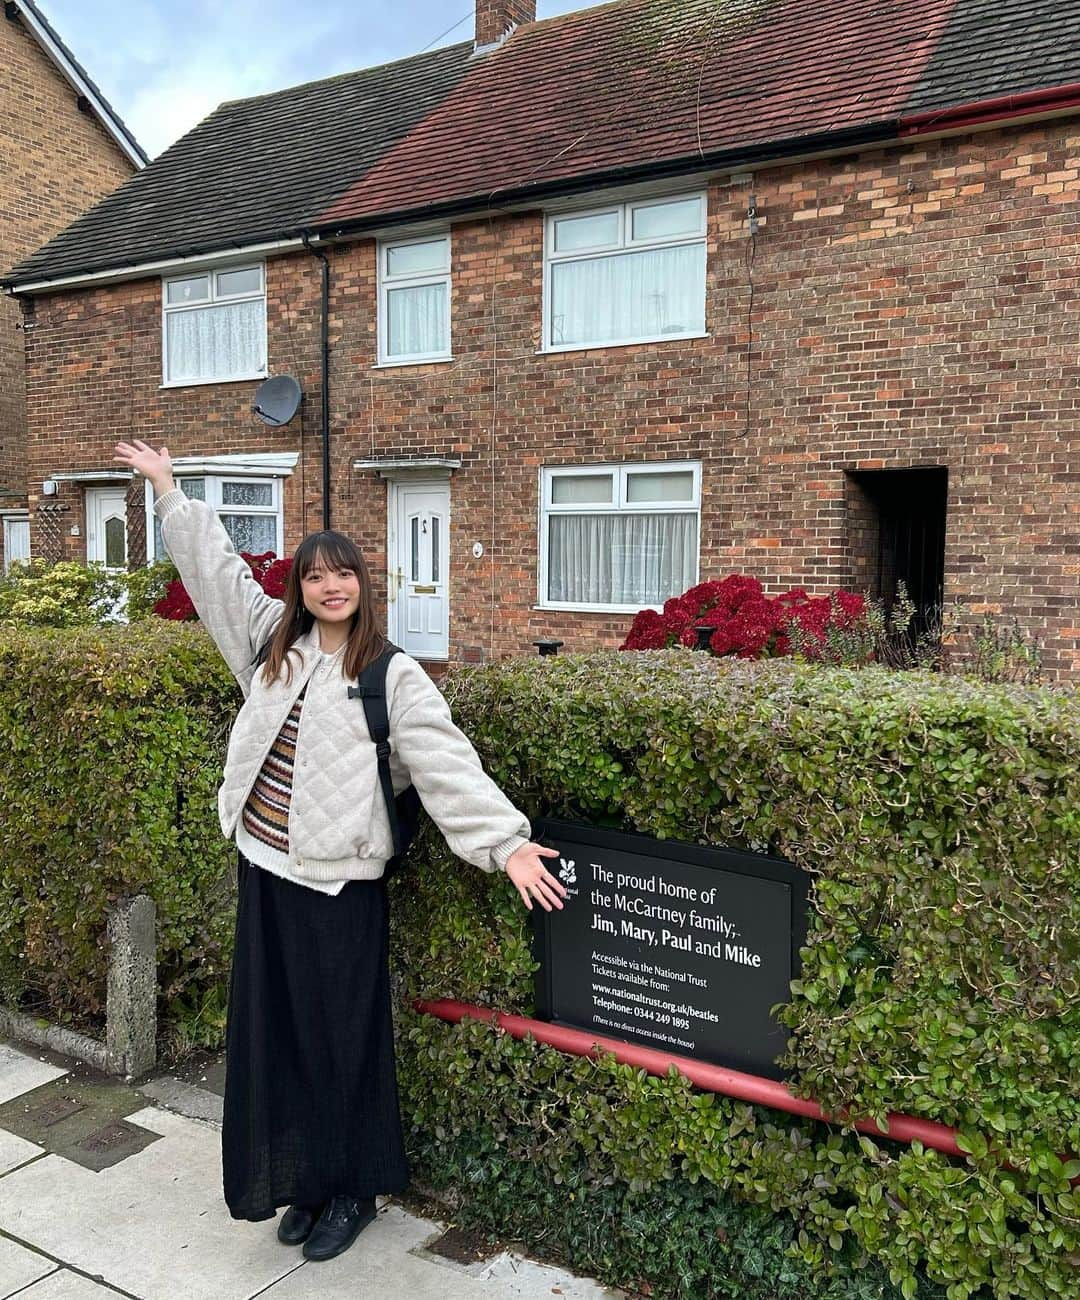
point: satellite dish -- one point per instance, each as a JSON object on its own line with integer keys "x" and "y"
{"x": 277, "y": 400}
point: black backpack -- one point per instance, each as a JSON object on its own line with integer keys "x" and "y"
{"x": 403, "y": 810}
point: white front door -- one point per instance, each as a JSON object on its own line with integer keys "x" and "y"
{"x": 16, "y": 540}
{"x": 106, "y": 526}
{"x": 418, "y": 588}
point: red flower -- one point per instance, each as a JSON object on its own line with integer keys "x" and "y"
{"x": 736, "y": 590}
{"x": 275, "y": 577}
{"x": 698, "y": 599}
{"x": 176, "y": 603}
{"x": 646, "y": 632}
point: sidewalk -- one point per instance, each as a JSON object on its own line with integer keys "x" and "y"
{"x": 108, "y": 1189}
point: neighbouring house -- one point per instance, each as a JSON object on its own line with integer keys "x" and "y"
{"x": 613, "y": 302}
{"x": 62, "y": 148}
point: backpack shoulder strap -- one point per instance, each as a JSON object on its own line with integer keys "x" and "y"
{"x": 371, "y": 690}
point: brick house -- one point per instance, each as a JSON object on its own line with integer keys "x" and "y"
{"x": 62, "y": 148}
{"x": 614, "y": 301}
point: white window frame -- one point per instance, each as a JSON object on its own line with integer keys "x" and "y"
{"x": 625, "y": 243}
{"x": 619, "y": 505}
{"x": 215, "y": 299}
{"x": 416, "y": 280}
{"x": 269, "y": 468}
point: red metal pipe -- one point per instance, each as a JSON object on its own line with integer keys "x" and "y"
{"x": 999, "y": 109}
{"x": 713, "y": 1078}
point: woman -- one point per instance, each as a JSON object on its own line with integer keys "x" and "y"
{"x": 311, "y": 1108}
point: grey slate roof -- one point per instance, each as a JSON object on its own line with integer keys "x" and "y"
{"x": 255, "y": 170}
{"x": 991, "y": 48}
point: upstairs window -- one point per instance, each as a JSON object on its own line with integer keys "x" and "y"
{"x": 215, "y": 326}
{"x": 628, "y": 273}
{"x": 618, "y": 537}
{"x": 414, "y": 300}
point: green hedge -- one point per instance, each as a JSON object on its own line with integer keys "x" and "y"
{"x": 938, "y": 818}
{"x": 113, "y": 741}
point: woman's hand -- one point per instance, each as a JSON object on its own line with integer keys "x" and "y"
{"x": 532, "y": 878}
{"x": 155, "y": 465}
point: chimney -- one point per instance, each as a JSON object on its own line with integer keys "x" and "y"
{"x": 496, "y": 19}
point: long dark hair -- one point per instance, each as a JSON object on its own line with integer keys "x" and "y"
{"x": 366, "y": 640}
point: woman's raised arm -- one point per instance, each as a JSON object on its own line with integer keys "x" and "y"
{"x": 235, "y": 610}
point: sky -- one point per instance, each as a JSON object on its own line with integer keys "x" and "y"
{"x": 165, "y": 64}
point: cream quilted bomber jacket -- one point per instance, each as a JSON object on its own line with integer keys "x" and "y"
{"x": 338, "y": 827}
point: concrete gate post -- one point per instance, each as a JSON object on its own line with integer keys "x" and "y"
{"x": 131, "y": 999}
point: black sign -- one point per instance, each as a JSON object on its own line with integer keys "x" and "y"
{"x": 678, "y": 947}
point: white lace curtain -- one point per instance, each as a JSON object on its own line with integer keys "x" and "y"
{"x": 417, "y": 321}
{"x": 255, "y": 534}
{"x": 620, "y": 559}
{"x": 631, "y": 295}
{"x": 216, "y": 342}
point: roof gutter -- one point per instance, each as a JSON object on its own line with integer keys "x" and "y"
{"x": 1002, "y": 108}
{"x": 796, "y": 147}
{"x": 142, "y": 270}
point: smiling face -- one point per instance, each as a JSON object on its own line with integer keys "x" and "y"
{"x": 331, "y": 594}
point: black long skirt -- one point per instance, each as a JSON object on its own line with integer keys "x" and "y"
{"x": 311, "y": 1101}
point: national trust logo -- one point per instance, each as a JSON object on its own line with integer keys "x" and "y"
{"x": 568, "y": 875}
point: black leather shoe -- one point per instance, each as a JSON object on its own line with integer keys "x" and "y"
{"x": 338, "y": 1227}
{"x": 297, "y": 1222}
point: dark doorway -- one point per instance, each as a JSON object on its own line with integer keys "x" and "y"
{"x": 897, "y": 532}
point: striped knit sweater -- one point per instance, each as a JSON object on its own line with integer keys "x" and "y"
{"x": 266, "y": 813}
{"x": 262, "y": 833}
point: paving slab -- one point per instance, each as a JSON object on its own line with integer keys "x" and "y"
{"x": 19, "y": 1267}
{"x": 516, "y": 1278}
{"x": 391, "y": 1258}
{"x": 65, "y": 1285}
{"x": 20, "y": 1073}
{"x": 153, "y": 1225}
{"x": 185, "y": 1098}
{"x": 15, "y": 1151}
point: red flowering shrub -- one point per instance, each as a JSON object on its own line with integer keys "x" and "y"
{"x": 176, "y": 603}
{"x": 748, "y": 623}
{"x": 270, "y": 573}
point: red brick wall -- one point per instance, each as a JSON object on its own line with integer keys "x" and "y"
{"x": 109, "y": 388}
{"x": 911, "y": 307}
{"x": 55, "y": 162}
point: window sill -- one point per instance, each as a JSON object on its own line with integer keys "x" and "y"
{"x": 417, "y": 361}
{"x": 620, "y": 343}
{"x": 202, "y": 383}
{"x": 596, "y": 609}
